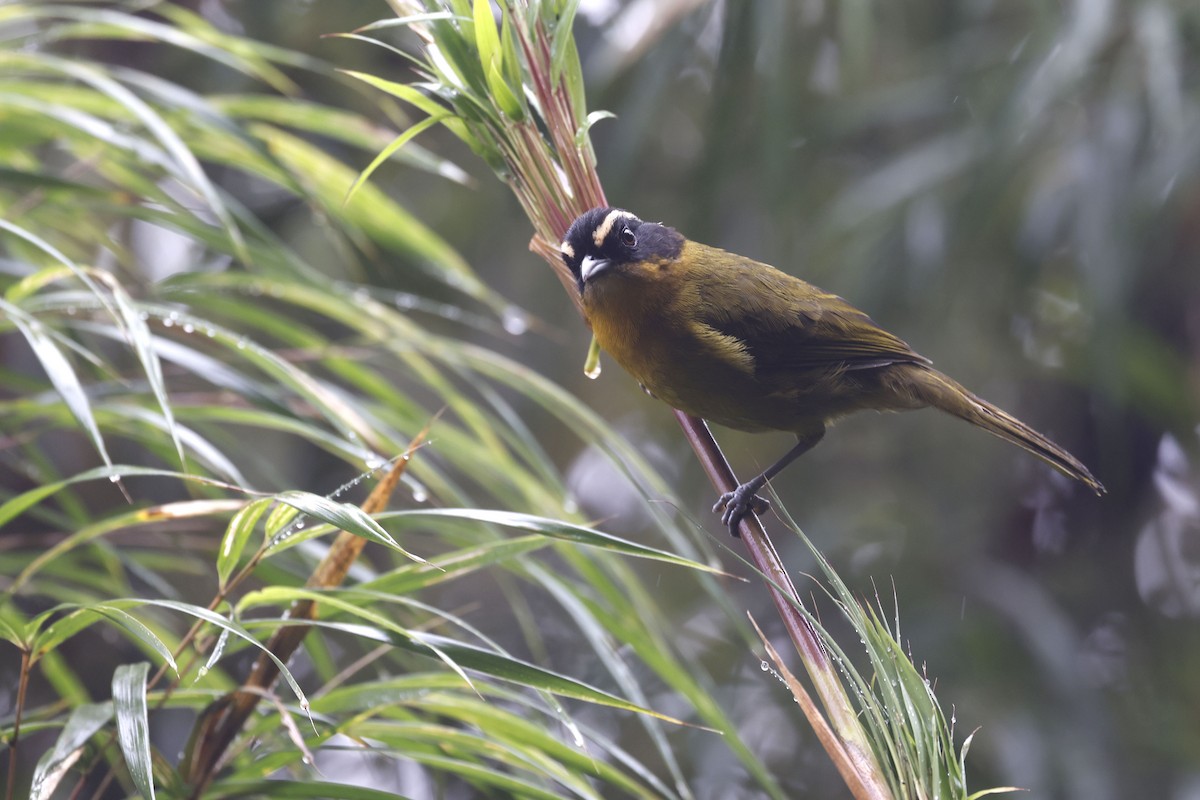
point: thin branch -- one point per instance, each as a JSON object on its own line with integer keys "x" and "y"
{"x": 22, "y": 688}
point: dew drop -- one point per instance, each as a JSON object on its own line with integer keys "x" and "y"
{"x": 169, "y": 322}
{"x": 189, "y": 328}
{"x": 114, "y": 478}
{"x": 70, "y": 311}
{"x": 373, "y": 462}
{"x": 764, "y": 666}
{"x": 241, "y": 344}
{"x": 143, "y": 315}
{"x": 570, "y": 506}
{"x": 515, "y": 321}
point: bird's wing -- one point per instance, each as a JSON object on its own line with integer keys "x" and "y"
{"x": 789, "y": 326}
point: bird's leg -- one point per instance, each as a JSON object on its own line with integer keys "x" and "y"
{"x": 741, "y": 501}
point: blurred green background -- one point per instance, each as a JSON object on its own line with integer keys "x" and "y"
{"x": 1011, "y": 187}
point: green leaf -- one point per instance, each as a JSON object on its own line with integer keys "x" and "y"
{"x": 377, "y": 216}
{"x": 139, "y": 631}
{"x": 138, "y": 334}
{"x": 237, "y": 533}
{"x": 487, "y": 39}
{"x": 133, "y": 725}
{"x": 512, "y": 64}
{"x": 61, "y": 374}
{"x": 58, "y": 256}
{"x": 106, "y": 525}
{"x": 455, "y": 653}
{"x": 581, "y": 135}
{"x": 564, "y": 41}
{"x": 12, "y": 625}
{"x": 320, "y": 790}
{"x": 184, "y": 164}
{"x": 342, "y": 516}
{"x": 281, "y": 516}
{"x": 409, "y": 578}
{"x": 391, "y": 149}
{"x": 401, "y": 91}
{"x": 556, "y": 529}
{"x": 21, "y": 503}
{"x": 502, "y": 95}
{"x": 85, "y": 720}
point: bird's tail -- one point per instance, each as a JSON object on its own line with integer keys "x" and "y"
{"x": 937, "y": 390}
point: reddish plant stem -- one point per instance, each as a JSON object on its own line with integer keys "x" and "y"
{"x": 758, "y": 544}
{"x": 22, "y": 687}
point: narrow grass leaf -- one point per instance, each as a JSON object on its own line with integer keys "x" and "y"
{"x": 487, "y": 38}
{"x": 9, "y": 631}
{"x": 133, "y": 725}
{"x": 138, "y": 630}
{"x": 237, "y": 533}
{"x": 401, "y": 91}
{"x": 185, "y": 164}
{"x": 488, "y": 662}
{"x": 405, "y": 21}
{"x": 501, "y": 94}
{"x": 410, "y": 578}
{"x": 237, "y": 54}
{"x": 387, "y": 152}
{"x": 512, "y": 64}
{"x": 15, "y": 506}
{"x": 564, "y": 38}
{"x": 139, "y": 336}
{"x": 58, "y": 256}
{"x": 85, "y": 720}
{"x": 516, "y": 729}
{"x": 320, "y": 790}
{"x": 581, "y": 138}
{"x": 995, "y": 790}
{"x": 225, "y": 624}
{"x": 62, "y": 375}
{"x": 556, "y": 529}
{"x": 342, "y": 516}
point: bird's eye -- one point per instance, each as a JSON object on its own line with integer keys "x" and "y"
{"x": 627, "y": 238}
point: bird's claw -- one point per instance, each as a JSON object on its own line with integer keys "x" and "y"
{"x": 735, "y": 505}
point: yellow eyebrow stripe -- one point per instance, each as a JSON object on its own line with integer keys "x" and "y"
{"x": 606, "y": 227}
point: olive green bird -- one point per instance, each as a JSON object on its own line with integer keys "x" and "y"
{"x": 744, "y": 345}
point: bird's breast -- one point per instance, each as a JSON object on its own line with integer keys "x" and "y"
{"x": 652, "y": 330}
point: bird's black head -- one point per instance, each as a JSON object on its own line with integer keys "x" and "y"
{"x": 603, "y": 240}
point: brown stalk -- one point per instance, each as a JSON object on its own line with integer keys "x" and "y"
{"x": 220, "y": 723}
{"x": 847, "y": 757}
{"x": 22, "y": 688}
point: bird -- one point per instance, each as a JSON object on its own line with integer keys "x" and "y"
{"x": 747, "y": 346}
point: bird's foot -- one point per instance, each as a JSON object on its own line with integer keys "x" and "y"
{"x": 737, "y": 504}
